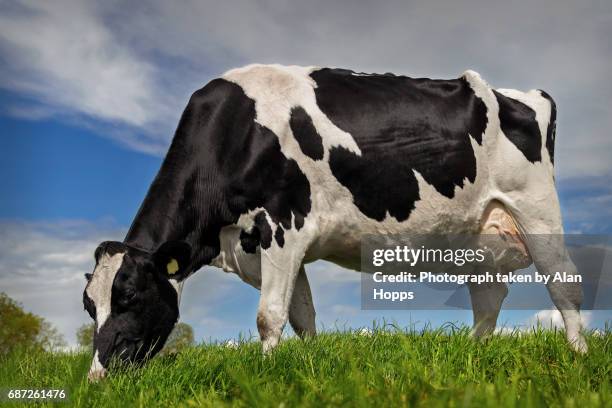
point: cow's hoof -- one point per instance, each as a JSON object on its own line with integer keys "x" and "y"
{"x": 579, "y": 344}
{"x": 268, "y": 345}
{"x": 96, "y": 375}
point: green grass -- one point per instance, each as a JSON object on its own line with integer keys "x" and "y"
{"x": 425, "y": 368}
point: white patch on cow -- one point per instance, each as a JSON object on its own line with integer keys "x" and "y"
{"x": 96, "y": 371}
{"x": 246, "y": 221}
{"x": 482, "y": 89}
{"x": 100, "y": 287}
{"x": 233, "y": 259}
{"x": 276, "y": 89}
{"x": 476, "y": 82}
{"x": 363, "y": 74}
{"x": 178, "y": 287}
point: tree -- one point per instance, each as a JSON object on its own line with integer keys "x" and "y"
{"x": 19, "y": 328}
{"x": 180, "y": 337}
{"x": 85, "y": 335}
{"x": 49, "y": 338}
{"x": 16, "y": 326}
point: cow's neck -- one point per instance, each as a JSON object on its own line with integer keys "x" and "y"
{"x": 160, "y": 218}
{"x": 183, "y": 203}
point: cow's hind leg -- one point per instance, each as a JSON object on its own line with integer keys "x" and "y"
{"x": 551, "y": 256}
{"x": 301, "y": 310}
{"x": 543, "y": 235}
{"x": 487, "y": 299}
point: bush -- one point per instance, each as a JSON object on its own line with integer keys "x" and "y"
{"x": 85, "y": 335}
{"x": 181, "y": 337}
{"x": 19, "y": 328}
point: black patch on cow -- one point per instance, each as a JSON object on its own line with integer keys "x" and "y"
{"x": 260, "y": 235}
{"x": 249, "y": 241}
{"x": 400, "y": 124}
{"x": 110, "y": 248}
{"x": 552, "y": 127}
{"x": 279, "y": 236}
{"x": 221, "y": 164}
{"x": 265, "y": 231}
{"x": 519, "y": 124}
{"x": 89, "y": 305}
{"x": 305, "y": 133}
{"x": 368, "y": 182}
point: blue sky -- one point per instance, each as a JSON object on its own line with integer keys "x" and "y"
{"x": 60, "y": 171}
{"x": 90, "y": 94}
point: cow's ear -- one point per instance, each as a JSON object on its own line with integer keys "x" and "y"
{"x": 173, "y": 259}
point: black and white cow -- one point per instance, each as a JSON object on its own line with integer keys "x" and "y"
{"x": 273, "y": 167}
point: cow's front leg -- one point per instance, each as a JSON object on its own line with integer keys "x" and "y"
{"x": 302, "y": 311}
{"x": 278, "y": 276}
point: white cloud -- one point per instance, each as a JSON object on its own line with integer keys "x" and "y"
{"x": 543, "y": 48}
{"x": 137, "y": 63}
{"x": 66, "y": 56}
{"x": 42, "y": 265}
{"x": 549, "y": 319}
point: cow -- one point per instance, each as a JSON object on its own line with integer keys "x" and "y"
{"x": 272, "y": 167}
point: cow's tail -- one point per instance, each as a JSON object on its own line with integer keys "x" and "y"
{"x": 552, "y": 125}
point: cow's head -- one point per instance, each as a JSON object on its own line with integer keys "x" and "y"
{"x": 133, "y": 297}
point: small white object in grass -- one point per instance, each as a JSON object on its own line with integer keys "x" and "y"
{"x": 231, "y": 343}
{"x": 365, "y": 332}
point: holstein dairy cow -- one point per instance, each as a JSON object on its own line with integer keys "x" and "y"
{"x": 273, "y": 167}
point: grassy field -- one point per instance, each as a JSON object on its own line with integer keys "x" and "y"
{"x": 428, "y": 368}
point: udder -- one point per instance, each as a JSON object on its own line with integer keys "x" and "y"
{"x": 506, "y": 248}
